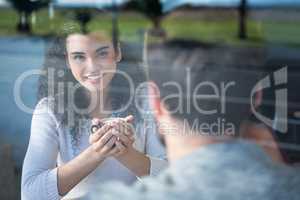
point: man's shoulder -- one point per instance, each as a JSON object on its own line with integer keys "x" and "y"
{"x": 213, "y": 172}
{"x": 145, "y": 188}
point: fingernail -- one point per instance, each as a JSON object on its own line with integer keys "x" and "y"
{"x": 114, "y": 131}
{"x": 94, "y": 121}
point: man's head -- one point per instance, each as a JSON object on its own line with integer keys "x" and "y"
{"x": 195, "y": 102}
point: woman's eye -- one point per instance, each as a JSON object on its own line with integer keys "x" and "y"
{"x": 102, "y": 54}
{"x": 79, "y": 57}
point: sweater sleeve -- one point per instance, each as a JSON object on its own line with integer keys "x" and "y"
{"x": 39, "y": 173}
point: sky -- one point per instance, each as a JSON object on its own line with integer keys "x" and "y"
{"x": 90, "y": 3}
{"x": 171, "y": 4}
{"x": 2, "y": 2}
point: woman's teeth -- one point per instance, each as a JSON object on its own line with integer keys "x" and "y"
{"x": 94, "y": 77}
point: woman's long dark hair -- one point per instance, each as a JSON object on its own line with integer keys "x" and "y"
{"x": 55, "y": 72}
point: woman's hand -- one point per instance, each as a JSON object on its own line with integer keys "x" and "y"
{"x": 76, "y": 169}
{"x": 122, "y": 129}
{"x": 125, "y": 134}
{"x": 121, "y": 132}
{"x": 103, "y": 142}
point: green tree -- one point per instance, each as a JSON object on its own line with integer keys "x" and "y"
{"x": 152, "y": 9}
{"x": 83, "y": 16}
{"x": 24, "y": 9}
{"x": 243, "y": 20}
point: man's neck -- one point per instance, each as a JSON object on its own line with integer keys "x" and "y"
{"x": 181, "y": 146}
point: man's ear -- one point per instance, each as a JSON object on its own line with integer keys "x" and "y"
{"x": 158, "y": 108}
{"x": 118, "y": 53}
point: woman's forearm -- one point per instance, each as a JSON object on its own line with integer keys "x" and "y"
{"x": 136, "y": 162}
{"x": 70, "y": 174}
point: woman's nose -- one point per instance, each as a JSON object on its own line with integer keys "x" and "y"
{"x": 91, "y": 65}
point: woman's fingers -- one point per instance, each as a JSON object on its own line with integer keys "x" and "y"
{"x": 122, "y": 137}
{"x": 122, "y": 149}
{"x": 118, "y": 150}
{"x": 114, "y": 137}
{"x": 128, "y": 123}
{"x": 108, "y": 146}
{"x": 115, "y": 151}
{"x": 125, "y": 130}
{"x": 98, "y": 134}
{"x": 129, "y": 119}
{"x": 103, "y": 140}
{"x": 124, "y": 127}
{"x": 96, "y": 121}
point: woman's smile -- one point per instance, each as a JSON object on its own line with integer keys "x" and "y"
{"x": 93, "y": 79}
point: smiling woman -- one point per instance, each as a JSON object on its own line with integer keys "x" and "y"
{"x": 92, "y": 59}
{"x": 83, "y": 83}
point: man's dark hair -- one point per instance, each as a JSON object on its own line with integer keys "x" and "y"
{"x": 198, "y": 69}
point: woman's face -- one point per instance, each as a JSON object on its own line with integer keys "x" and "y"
{"x": 92, "y": 60}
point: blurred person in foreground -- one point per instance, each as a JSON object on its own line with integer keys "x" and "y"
{"x": 189, "y": 101}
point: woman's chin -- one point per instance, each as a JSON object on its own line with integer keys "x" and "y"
{"x": 94, "y": 88}
{"x": 95, "y": 85}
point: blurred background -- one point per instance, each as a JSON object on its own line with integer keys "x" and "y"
{"x": 249, "y": 37}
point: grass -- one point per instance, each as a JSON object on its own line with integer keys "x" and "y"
{"x": 221, "y": 31}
